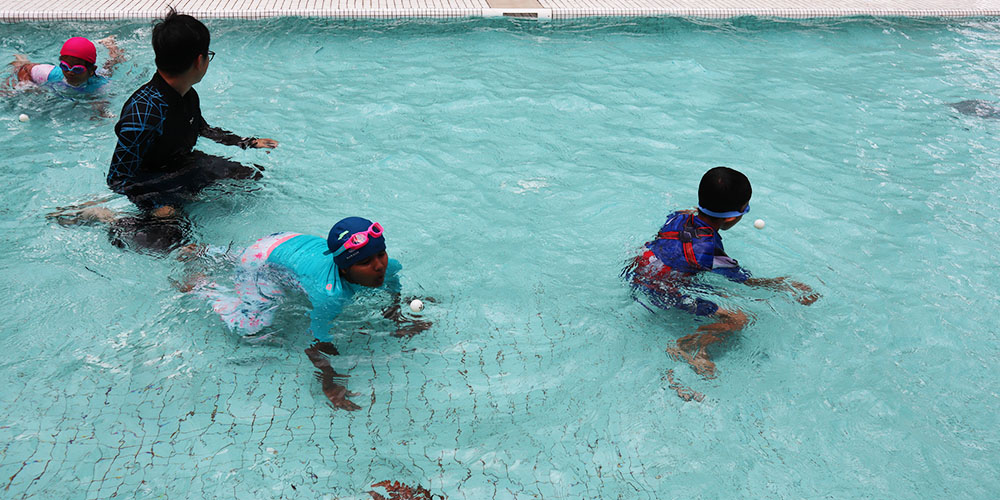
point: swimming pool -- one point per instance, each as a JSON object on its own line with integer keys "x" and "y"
{"x": 515, "y": 167}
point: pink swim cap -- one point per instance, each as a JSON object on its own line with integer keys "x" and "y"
{"x": 79, "y": 46}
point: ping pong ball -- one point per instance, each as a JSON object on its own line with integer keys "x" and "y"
{"x": 23, "y": 117}
{"x": 759, "y": 223}
{"x": 417, "y": 305}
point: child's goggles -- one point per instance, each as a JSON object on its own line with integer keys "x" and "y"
{"x": 724, "y": 215}
{"x": 358, "y": 240}
{"x": 79, "y": 69}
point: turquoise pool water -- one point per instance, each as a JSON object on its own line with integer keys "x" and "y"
{"x": 515, "y": 167}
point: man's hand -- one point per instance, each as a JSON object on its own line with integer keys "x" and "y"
{"x": 264, "y": 143}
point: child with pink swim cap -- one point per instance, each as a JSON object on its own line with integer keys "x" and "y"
{"x": 77, "y": 69}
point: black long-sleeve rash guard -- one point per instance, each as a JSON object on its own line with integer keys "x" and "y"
{"x": 157, "y": 126}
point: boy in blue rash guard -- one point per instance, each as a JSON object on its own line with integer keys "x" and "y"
{"x": 689, "y": 243}
{"x": 330, "y": 272}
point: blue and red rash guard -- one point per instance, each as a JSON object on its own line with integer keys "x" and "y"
{"x": 684, "y": 246}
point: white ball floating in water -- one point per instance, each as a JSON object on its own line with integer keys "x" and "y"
{"x": 759, "y": 223}
{"x": 417, "y": 305}
{"x": 23, "y": 117}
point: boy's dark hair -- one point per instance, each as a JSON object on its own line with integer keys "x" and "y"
{"x": 723, "y": 189}
{"x": 178, "y": 40}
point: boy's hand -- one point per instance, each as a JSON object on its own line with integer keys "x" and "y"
{"x": 804, "y": 295}
{"x": 336, "y": 393}
{"x": 408, "y": 326}
{"x": 412, "y": 328}
{"x": 108, "y": 42}
{"x": 19, "y": 60}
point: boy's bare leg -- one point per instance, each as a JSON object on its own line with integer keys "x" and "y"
{"x": 693, "y": 348}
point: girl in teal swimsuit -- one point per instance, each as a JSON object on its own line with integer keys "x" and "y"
{"x": 329, "y": 271}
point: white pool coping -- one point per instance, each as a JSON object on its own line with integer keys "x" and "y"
{"x": 34, "y": 10}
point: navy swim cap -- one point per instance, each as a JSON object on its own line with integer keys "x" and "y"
{"x": 724, "y": 191}
{"x": 343, "y": 230}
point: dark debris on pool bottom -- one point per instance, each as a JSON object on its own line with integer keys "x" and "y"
{"x": 401, "y": 491}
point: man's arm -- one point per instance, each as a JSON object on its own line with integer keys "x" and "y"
{"x": 140, "y": 125}
{"x": 228, "y": 138}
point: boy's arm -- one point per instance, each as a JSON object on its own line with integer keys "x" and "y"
{"x": 22, "y": 67}
{"x": 731, "y": 269}
{"x": 228, "y": 138}
{"x": 116, "y": 55}
{"x": 406, "y": 326}
{"x": 319, "y": 322}
{"x": 803, "y": 293}
{"x": 333, "y": 383}
{"x": 27, "y": 71}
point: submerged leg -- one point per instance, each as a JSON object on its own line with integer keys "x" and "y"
{"x": 83, "y": 213}
{"x": 151, "y": 233}
{"x": 693, "y": 348}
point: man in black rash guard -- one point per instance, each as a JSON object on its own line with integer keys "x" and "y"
{"x": 155, "y": 164}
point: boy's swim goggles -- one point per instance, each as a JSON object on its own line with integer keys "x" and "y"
{"x": 76, "y": 70}
{"x": 358, "y": 240}
{"x": 724, "y": 215}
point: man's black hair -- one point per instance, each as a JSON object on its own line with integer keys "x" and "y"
{"x": 178, "y": 40}
{"x": 723, "y": 189}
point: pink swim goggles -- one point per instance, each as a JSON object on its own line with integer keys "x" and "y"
{"x": 358, "y": 240}
{"x": 78, "y": 69}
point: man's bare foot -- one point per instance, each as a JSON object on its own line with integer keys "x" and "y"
{"x": 164, "y": 211}
{"x": 88, "y": 215}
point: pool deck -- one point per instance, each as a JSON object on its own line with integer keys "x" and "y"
{"x": 26, "y": 10}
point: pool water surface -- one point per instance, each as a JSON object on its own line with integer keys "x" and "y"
{"x": 515, "y": 167}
